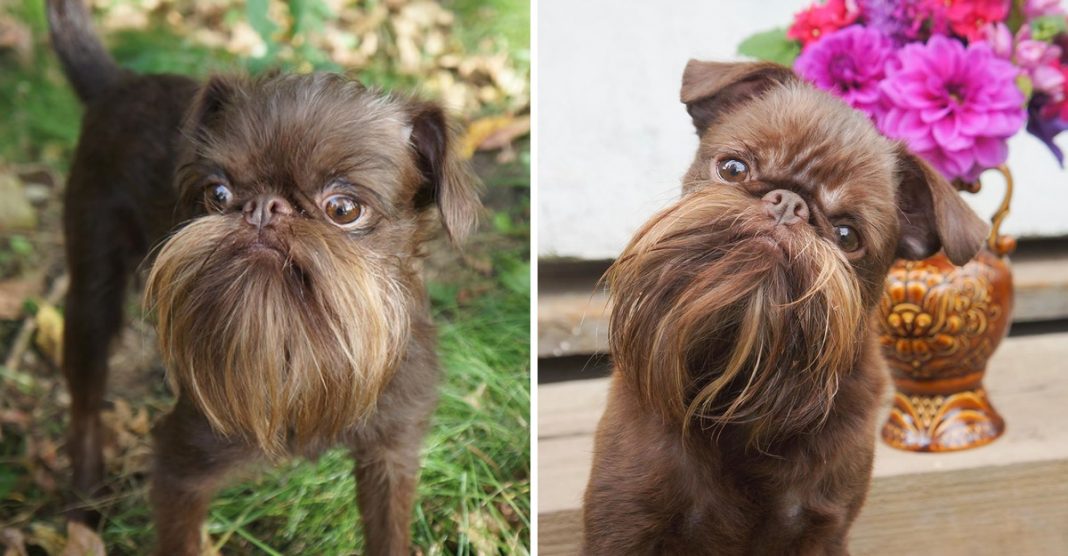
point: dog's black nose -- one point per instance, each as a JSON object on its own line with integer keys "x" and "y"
{"x": 786, "y": 207}
{"x": 261, "y": 210}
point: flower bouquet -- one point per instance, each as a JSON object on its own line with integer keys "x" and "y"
{"x": 953, "y": 80}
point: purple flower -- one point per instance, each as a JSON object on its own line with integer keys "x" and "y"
{"x": 953, "y": 105}
{"x": 849, "y": 63}
{"x": 901, "y": 20}
{"x": 1045, "y": 126}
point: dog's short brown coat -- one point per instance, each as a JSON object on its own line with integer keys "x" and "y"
{"x": 746, "y": 376}
{"x": 282, "y": 332}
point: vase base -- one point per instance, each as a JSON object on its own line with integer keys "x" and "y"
{"x": 942, "y": 422}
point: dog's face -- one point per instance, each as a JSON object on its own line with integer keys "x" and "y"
{"x": 747, "y": 300}
{"x": 286, "y": 301}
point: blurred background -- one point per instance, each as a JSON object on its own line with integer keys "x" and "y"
{"x": 614, "y": 141}
{"x": 471, "y": 55}
{"x": 617, "y": 139}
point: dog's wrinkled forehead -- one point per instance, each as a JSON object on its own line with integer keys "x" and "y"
{"x": 304, "y": 131}
{"x": 797, "y": 136}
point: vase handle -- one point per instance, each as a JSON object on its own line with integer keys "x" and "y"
{"x": 999, "y": 244}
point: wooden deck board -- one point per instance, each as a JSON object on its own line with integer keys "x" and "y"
{"x": 1010, "y": 497}
{"x": 574, "y": 320}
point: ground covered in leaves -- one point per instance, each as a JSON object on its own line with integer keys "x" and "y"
{"x": 474, "y": 495}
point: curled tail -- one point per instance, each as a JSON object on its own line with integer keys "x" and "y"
{"x": 86, "y": 63}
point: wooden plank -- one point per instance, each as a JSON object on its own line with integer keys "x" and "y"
{"x": 1015, "y": 486}
{"x": 1041, "y": 282}
{"x": 574, "y": 320}
{"x": 570, "y": 408}
{"x": 1020, "y": 510}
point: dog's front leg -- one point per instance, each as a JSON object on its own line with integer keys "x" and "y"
{"x": 191, "y": 463}
{"x": 386, "y": 449}
{"x": 386, "y": 471}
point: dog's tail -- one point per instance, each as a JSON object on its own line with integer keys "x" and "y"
{"x": 88, "y": 66}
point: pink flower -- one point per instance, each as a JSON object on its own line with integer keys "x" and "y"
{"x": 966, "y": 18}
{"x": 1063, "y": 115}
{"x": 820, "y": 20}
{"x": 999, "y": 37}
{"x": 1058, "y": 104}
{"x": 1039, "y": 8}
{"x": 953, "y": 105}
{"x": 1039, "y": 60}
{"x": 849, "y": 63}
{"x": 1050, "y": 80}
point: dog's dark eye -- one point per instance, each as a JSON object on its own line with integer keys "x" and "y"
{"x": 733, "y": 170}
{"x": 342, "y": 209}
{"x": 848, "y": 238}
{"x": 219, "y": 196}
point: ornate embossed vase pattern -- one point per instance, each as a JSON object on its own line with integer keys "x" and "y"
{"x": 939, "y": 325}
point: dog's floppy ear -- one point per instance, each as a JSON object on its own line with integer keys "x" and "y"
{"x": 208, "y": 103}
{"x": 449, "y": 182}
{"x": 711, "y": 88}
{"x": 933, "y": 215}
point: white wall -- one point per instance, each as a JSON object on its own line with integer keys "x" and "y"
{"x": 613, "y": 138}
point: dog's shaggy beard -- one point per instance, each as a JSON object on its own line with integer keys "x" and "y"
{"x": 719, "y": 319}
{"x": 284, "y": 349}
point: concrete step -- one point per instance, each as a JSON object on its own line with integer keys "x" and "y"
{"x": 573, "y": 309}
{"x": 1009, "y": 497}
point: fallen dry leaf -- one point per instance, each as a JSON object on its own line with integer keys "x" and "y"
{"x": 13, "y": 294}
{"x": 47, "y": 538}
{"x": 504, "y": 136}
{"x": 14, "y": 35}
{"x": 482, "y": 129}
{"x": 16, "y": 213}
{"x": 14, "y": 542}
{"x": 49, "y": 337}
{"x": 82, "y": 541}
{"x": 15, "y": 417}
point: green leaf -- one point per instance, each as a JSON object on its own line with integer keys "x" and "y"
{"x": 772, "y": 46}
{"x": 21, "y": 246}
{"x": 502, "y": 222}
{"x": 1046, "y": 28}
{"x": 1016, "y": 16}
{"x": 8, "y": 481}
{"x": 256, "y": 10}
{"x": 1023, "y": 82}
{"x": 309, "y": 15}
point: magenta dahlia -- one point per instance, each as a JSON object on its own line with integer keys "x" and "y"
{"x": 849, "y": 63}
{"x": 954, "y": 105}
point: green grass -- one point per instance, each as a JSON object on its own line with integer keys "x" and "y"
{"x": 510, "y": 20}
{"x": 474, "y": 490}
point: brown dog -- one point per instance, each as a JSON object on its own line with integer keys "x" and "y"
{"x": 292, "y": 315}
{"x": 747, "y": 380}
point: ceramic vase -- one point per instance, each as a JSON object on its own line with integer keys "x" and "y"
{"x": 939, "y": 325}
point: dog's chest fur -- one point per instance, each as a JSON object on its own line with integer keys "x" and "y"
{"x": 707, "y": 490}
